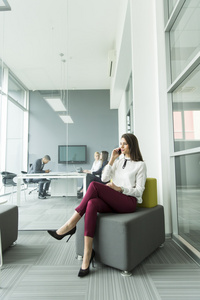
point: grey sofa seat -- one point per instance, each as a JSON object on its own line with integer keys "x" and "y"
{"x": 123, "y": 241}
{"x": 8, "y": 225}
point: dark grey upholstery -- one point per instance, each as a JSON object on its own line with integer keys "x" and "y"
{"x": 8, "y": 225}
{"x": 122, "y": 241}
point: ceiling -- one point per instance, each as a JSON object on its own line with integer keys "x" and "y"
{"x": 53, "y": 45}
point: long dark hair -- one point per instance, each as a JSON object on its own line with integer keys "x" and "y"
{"x": 104, "y": 155}
{"x": 132, "y": 141}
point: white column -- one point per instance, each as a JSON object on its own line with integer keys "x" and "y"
{"x": 149, "y": 93}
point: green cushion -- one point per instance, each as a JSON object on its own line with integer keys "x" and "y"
{"x": 150, "y": 193}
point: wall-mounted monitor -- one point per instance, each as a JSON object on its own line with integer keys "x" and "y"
{"x": 72, "y": 154}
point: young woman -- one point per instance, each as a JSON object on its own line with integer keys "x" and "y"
{"x": 95, "y": 175}
{"x": 128, "y": 176}
{"x": 96, "y": 164}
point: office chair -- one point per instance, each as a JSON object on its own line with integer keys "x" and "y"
{"x": 7, "y": 181}
{"x": 28, "y": 184}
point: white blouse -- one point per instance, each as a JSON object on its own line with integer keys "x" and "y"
{"x": 96, "y": 166}
{"x": 132, "y": 178}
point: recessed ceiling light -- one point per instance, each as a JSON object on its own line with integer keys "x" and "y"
{"x": 66, "y": 119}
{"x": 56, "y": 104}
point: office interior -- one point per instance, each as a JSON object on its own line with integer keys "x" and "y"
{"x": 143, "y": 80}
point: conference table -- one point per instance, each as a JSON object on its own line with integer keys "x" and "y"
{"x": 62, "y": 183}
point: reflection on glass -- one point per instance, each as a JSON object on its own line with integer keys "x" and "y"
{"x": 186, "y": 113}
{"x": 185, "y": 37}
{"x": 16, "y": 91}
{"x": 187, "y": 125}
{"x": 171, "y": 5}
{"x": 188, "y": 198}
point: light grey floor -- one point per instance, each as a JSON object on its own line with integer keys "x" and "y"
{"x": 39, "y": 267}
{"x": 38, "y": 214}
{"x": 51, "y": 213}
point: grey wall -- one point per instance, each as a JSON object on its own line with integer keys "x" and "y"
{"x": 95, "y": 125}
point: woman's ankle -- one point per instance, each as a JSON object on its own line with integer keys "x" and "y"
{"x": 86, "y": 259}
{"x": 70, "y": 224}
{"x": 85, "y": 263}
{"x": 64, "y": 229}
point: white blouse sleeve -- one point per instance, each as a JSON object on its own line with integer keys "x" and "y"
{"x": 140, "y": 180}
{"x": 93, "y": 167}
{"x": 96, "y": 166}
{"x": 107, "y": 173}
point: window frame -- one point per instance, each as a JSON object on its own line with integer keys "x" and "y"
{"x": 172, "y": 85}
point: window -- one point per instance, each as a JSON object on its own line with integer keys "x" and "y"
{"x": 190, "y": 122}
{"x": 188, "y": 195}
{"x": 178, "y": 128}
{"x": 183, "y": 61}
{"x": 16, "y": 91}
{"x": 13, "y": 124}
{"x": 186, "y": 113}
{"x": 14, "y": 138}
{"x": 185, "y": 37}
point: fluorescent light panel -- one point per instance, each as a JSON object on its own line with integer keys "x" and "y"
{"x": 66, "y": 119}
{"x": 56, "y": 104}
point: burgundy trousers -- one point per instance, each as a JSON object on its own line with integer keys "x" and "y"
{"x": 101, "y": 198}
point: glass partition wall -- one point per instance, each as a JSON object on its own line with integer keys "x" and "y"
{"x": 183, "y": 39}
{"x": 13, "y": 125}
{"x": 55, "y": 115}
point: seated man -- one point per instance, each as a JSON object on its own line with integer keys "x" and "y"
{"x": 37, "y": 167}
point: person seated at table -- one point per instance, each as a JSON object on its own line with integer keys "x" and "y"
{"x": 96, "y": 175}
{"x": 37, "y": 167}
{"x": 95, "y": 167}
{"x": 96, "y": 164}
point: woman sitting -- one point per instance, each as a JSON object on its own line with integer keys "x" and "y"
{"x": 120, "y": 196}
{"x": 95, "y": 175}
{"x": 96, "y": 164}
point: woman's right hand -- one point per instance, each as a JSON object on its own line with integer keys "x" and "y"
{"x": 115, "y": 154}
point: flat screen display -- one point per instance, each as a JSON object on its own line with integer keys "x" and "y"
{"x": 72, "y": 154}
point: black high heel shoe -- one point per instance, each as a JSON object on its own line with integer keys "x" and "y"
{"x": 61, "y": 236}
{"x": 84, "y": 272}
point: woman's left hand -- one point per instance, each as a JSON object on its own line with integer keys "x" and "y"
{"x": 113, "y": 186}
